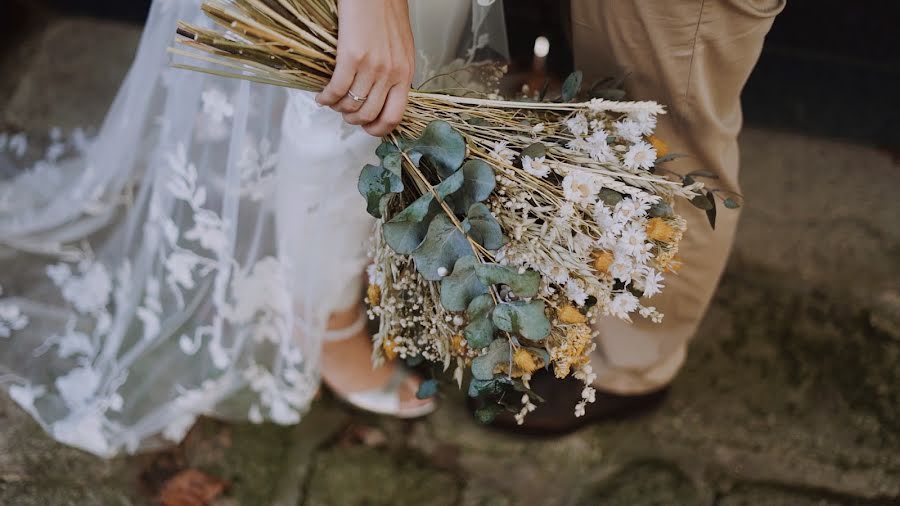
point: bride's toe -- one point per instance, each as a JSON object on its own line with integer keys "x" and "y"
{"x": 410, "y": 405}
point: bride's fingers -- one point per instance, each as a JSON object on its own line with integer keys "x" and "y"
{"x": 392, "y": 113}
{"x": 361, "y": 88}
{"x": 371, "y": 108}
{"x": 340, "y": 83}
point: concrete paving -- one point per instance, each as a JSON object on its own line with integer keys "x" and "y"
{"x": 789, "y": 396}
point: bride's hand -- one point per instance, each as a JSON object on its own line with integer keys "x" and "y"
{"x": 375, "y": 60}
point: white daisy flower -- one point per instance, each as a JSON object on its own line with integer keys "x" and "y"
{"x": 582, "y": 243}
{"x": 622, "y": 267}
{"x": 633, "y": 239}
{"x": 640, "y": 156}
{"x": 653, "y": 283}
{"x": 628, "y": 130}
{"x": 501, "y": 152}
{"x": 567, "y": 210}
{"x": 645, "y": 121}
{"x": 536, "y": 166}
{"x": 580, "y": 187}
{"x": 644, "y": 254}
{"x": 578, "y": 125}
{"x": 579, "y": 144}
{"x": 629, "y": 209}
{"x": 598, "y": 147}
{"x": 623, "y": 304}
{"x": 556, "y": 272}
{"x": 646, "y": 198}
{"x": 603, "y": 217}
{"x": 607, "y": 241}
{"x": 575, "y": 291}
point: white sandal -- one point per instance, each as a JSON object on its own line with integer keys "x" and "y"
{"x": 381, "y": 401}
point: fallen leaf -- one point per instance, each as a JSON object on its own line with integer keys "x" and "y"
{"x": 191, "y": 488}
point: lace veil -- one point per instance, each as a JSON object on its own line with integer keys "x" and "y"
{"x": 146, "y": 273}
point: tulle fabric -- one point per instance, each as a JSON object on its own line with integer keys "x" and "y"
{"x": 188, "y": 257}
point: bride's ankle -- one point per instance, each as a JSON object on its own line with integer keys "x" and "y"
{"x": 343, "y": 319}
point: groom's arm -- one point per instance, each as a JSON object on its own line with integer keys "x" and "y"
{"x": 375, "y": 61}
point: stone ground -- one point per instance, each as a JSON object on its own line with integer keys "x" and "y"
{"x": 790, "y": 395}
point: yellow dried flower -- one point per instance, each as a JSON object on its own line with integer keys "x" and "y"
{"x": 662, "y": 149}
{"x": 659, "y": 230}
{"x": 373, "y": 292}
{"x": 674, "y": 264}
{"x": 571, "y": 352}
{"x": 602, "y": 261}
{"x": 387, "y": 346}
{"x": 458, "y": 345}
{"x": 525, "y": 361}
{"x": 570, "y": 314}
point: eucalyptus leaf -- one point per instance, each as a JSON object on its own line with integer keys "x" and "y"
{"x": 661, "y": 210}
{"x": 488, "y": 414}
{"x": 711, "y": 212}
{"x": 478, "y": 122}
{"x": 406, "y": 231}
{"x": 498, "y": 353}
{"x": 526, "y": 319}
{"x": 385, "y": 148}
{"x": 701, "y": 202}
{"x": 444, "y": 244}
{"x": 608, "y": 93}
{"x": 668, "y": 158}
{"x": 730, "y": 203}
{"x": 493, "y": 387}
{"x": 478, "y": 184}
{"x": 572, "y": 86}
{"x": 519, "y": 386}
{"x": 704, "y": 173}
{"x": 394, "y": 163}
{"x": 606, "y": 82}
{"x": 427, "y": 389}
{"x": 374, "y": 183}
{"x": 462, "y": 285}
{"x": 490, "y": 387}
{"x": 441, "y": 145}
{"x": 524, "y": 284}
{"x": 480, "y": 331}
{"x": 610, "y": 197}
{"x": 535, "y": 150}
{"x": 484, "y": 228}
{"x": 543, "y": 93}
{"x": 450, "y": 185}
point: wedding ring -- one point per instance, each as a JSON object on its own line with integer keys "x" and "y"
{"x": 356, "y": 98}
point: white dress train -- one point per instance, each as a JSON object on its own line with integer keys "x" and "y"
{"x": 169, "y": 260}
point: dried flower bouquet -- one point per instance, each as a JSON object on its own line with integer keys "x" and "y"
{"x": 505, "y": 228}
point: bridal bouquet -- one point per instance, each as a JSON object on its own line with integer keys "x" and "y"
{"x": 504, "y": 228}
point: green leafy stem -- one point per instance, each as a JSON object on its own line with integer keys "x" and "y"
{"x": 450, "y": 233}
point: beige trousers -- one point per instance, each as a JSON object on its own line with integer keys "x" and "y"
{"x": 694, "y": 56}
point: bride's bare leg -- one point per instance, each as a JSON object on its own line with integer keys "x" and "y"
{"x": 347, "y": 364}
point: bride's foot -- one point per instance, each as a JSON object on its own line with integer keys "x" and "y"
{"x": 347, "y": 370}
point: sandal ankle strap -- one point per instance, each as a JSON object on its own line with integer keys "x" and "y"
{"x": 347, "y": 332}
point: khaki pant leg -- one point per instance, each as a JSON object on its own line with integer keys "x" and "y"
{"x": 694, "y": 56}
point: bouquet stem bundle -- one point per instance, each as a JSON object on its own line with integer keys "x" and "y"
{"x": 505, "y": 228}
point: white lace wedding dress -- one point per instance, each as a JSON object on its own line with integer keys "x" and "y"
{"x": 178, "y": 250}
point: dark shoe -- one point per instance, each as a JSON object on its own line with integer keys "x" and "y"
{"x": 556, "y": 416}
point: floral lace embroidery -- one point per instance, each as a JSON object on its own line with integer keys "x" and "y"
{"x": 252, "y": 301}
